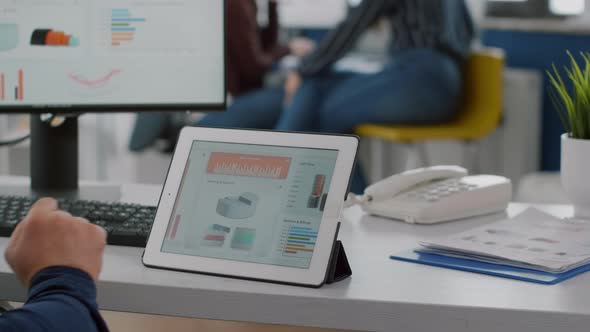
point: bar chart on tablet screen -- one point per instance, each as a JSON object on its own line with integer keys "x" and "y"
{"x": 233, "y": 164}
{"x": 298, "y": 241}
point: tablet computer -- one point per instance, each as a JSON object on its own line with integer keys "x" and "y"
{"x": 250, "y": 204}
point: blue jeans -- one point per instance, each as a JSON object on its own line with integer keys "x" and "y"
{"x": 417, "y": 87}
{"x": 256, "y": 110}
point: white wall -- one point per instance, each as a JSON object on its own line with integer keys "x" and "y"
{"x": 477, "y": 8}
{"x": 586, "y": 16}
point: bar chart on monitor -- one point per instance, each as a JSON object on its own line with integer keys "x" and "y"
{"x": 12, "y": 85}
{"x": 123, "y": 26}
{"x": 147, "y": 27}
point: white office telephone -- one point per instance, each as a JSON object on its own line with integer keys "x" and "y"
{"x": 435, "y": 194}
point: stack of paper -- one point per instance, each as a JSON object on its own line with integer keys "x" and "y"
{"x": 533, "y": 246}
{"x": 532, "y": 240}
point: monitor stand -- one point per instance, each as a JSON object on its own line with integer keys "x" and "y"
{"x": 54, "y": 165}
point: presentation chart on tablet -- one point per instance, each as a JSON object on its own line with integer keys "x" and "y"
{"x": 251, "y": 203}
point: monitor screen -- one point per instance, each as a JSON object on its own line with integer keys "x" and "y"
{"x": 112, "y": 55}
{"x": 251, "y": 203}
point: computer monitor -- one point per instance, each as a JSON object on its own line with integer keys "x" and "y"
{"x": 76, "y": 56}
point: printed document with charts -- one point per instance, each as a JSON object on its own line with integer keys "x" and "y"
{"x": 531, "y": 240}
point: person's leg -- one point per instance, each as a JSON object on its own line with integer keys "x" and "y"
{"x": 256, "y": 110}
{"x": 302, "y": 114}
{"x": 147, "y": 129}
{"x": 420, "y": 87}
{"x": 358, "y": 182}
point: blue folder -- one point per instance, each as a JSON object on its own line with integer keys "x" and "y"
{"x": 540, "y": 277}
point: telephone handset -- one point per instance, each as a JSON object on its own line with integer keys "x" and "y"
{"x": 436, "y": 194}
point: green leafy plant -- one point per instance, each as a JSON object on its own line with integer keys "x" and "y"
{"x": 573, "y": 105}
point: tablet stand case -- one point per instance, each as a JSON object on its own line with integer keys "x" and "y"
{"x": 338, "y": 268}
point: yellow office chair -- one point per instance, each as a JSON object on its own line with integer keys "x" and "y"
{"x": 479, "y": 116}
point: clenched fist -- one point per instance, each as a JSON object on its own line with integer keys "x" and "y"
{"x": 49, "y": 237}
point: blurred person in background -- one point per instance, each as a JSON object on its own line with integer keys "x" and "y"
{"x": 421, "y": 82}
{"x": 251, "y": 50}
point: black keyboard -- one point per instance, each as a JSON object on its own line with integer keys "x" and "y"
{"x": 126, "y": 224}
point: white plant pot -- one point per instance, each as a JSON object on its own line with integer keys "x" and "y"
{"x": 575, "y": 173}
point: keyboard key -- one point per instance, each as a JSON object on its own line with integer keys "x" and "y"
{"x": 79, "y": 212}
{"x": 122, "y": 216}
{"x": 95, "y": 215}
{"x": 109, "y": 216}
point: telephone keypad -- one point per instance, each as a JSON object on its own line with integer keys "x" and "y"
{"x": 440, "y": 190}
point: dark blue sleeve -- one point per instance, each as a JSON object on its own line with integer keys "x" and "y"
{"x": 60, "y": 299}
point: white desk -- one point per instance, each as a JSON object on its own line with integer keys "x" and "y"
{"x": 382, "y": 295}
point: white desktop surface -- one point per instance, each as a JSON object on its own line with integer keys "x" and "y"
{"x": 381, "y": 295}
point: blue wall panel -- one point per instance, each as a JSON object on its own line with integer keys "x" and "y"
{"x": 538, "y": 50}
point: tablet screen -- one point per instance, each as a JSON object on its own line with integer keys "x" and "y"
{"x": 252, "y": 203}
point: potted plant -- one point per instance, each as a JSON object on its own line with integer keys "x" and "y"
{"x": 572, "y": 102}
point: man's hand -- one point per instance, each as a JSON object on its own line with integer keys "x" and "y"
{"x": 49, "y": 237}
{"x": 301, "y": 47}
{"x": 292, "y": 85}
